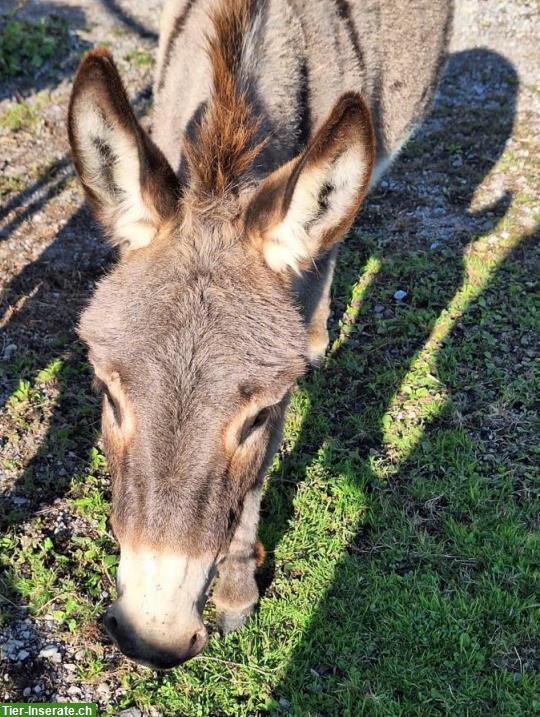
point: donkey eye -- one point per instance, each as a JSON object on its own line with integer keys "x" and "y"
{"x": 112, "y": 404}
{"x": 254, "y": 423}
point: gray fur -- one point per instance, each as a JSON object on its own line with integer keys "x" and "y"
{"x": 402, "y": 46}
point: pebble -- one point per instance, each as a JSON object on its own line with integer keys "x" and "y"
{"x": 434, "y": 245}
{"x": 104, "y": 691}
{"x": 400, "y": 295}
{"x": 23, "y": 654}
{"x": 378, "y": 308}
{"x": 49, "y": 652}
{"x": 284, "y": 703}
{"x": 9, "y": 352}
{"x": 27, "y": 692}
{"x": 131, "y": 712}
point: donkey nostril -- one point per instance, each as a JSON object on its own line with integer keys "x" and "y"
{"x": 197, "y": 643}
{"x": 111, "y": 624}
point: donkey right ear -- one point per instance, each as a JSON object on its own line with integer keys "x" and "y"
{"x": 306, "y": 206}
{"x": 129, "y": 184}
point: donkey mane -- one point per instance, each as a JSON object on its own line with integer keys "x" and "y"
{"x": 225, "y": 143}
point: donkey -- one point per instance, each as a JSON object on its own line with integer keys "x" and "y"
{"x": 271, "y": 121}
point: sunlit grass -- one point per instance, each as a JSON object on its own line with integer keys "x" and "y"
{"x": 398, "y": 518}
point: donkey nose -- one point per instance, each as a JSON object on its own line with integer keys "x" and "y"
{"x": 149, "y": 653}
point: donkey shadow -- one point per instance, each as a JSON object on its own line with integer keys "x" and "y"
{"x": 382, "y": 231}
{"x": 39, "y": 309}
{"x": 461, "y": 140}
{"x": 41, "y": 306}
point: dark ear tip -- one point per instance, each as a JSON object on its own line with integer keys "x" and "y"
{"x": 353, "y": 113}
{"x": 98, "y": 54}
{"x": 98, "y": 61}
{"x": 352, "y": 103}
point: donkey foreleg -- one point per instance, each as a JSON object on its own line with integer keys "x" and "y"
{"x": 236, "y": 593}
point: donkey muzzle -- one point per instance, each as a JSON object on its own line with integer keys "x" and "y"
{"x": 156, "y": 620}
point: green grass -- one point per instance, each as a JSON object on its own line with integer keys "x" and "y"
{"x": 23, "y": 115}
{"x": 401, "y": 518}
{"x": 139, "y": 58}
{"x": 26, "y": 45}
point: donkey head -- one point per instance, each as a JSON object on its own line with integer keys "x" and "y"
{"x": 196, "y": 339}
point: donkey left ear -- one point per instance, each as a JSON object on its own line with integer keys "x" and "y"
{"x": 306, "y": 206}
{"x": 129, "y": 184}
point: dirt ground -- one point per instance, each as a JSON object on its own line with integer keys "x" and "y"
{"x": 51, "y": 255}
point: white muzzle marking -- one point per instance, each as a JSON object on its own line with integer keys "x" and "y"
{"x": 162, "y": 594}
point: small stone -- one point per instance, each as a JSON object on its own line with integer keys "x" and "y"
{"x": 38, "y": 689}
{"x": 378, "y": 308}
{"x": 23, "y": 654}
{"x": 27, "y": 692}
{"x": 103, "y": 690}
{"x": 434, "y": 245}
{"x": 49, "y": 652}
{"x": 131, "y": 712}
{"x": 69, "y": 666}
{"x": 285, "y": 704}
{"x": 400, "y": 295}
{"x": 73, "y": 690}
{"x": 9, "y": 352}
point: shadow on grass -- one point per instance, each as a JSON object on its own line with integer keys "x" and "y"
{"x": 359, "y": 654}
{"x": 39, "y": 310}
{"x": 393, "y": 227}
{"x": 430, "y": 609}
{"x": 128, "y": 20}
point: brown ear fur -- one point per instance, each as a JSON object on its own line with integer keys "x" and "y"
{"x": 98, "y": 87}
{"x": 347, "y": 128}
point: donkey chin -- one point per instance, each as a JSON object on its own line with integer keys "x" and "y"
{"x": 156, "y": 620}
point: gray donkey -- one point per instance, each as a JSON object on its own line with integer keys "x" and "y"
{"x": 272, "y": 119}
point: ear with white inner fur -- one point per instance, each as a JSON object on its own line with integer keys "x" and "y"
{"x": 306, "y": 206}
{"x": 128, "y": 182}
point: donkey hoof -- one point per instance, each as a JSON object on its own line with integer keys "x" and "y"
{"x": 230, "y": 621}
